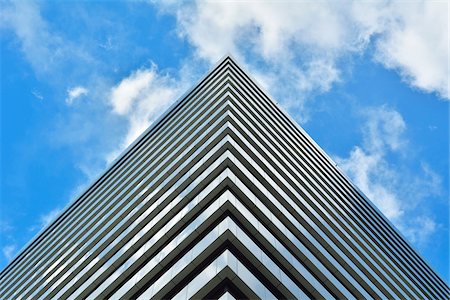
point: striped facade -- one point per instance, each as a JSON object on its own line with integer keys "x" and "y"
{"x": 224, "y": 197}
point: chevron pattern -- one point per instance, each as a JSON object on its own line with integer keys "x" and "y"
{"x": 224, "y": 197}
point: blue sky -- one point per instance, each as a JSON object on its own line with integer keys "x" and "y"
{"x": 368, "y": 81}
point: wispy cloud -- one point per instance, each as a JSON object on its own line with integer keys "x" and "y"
{"x": 118, "y": 110}
{"x": 60, "y": 60}
{"x": 37, "y": 43}
{"x": 367, "y": 164}
{"x": 47, "y": 218}
{"x": 7, "y": 240}
{"x": 47, "y": 52}
{"x": 37, "y": 95}
{"x": 75, "y": 93}
{"x": 419, "y": 229}
{"x": 44, "y": 220}
{"x": 372, "y": 174}
{"x": 5, "y": 226}
{"x": 9, "y": 251}
{"x": 396, "y": 191}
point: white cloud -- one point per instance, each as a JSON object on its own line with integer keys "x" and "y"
{"x": 25, "y": 19}
{"x": 129, "y": 89}
{"x": 5, "y": 226}
{"x": 297, "y": 44}
{"x": 46, "y": 219}
{"x": 419, "y": 229}
{"x": 37, "y": 95}
{"x": 302, "y": 44}
{"x": 271, "y": 29}
{"x": 60, "y": 60}
{"x": 47, "y": 52}
{"x": 75, "y": 93}
{"x": 383, "y": 130}
{"x": 9, "y": 251}
{"x": 397, "y": 193}
{"x": 417, "y": 45}
{"x": 141, "y": 98}
{"x": 371, "y": 173}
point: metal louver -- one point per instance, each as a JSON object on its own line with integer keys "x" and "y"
{"x": 224, "y": 197}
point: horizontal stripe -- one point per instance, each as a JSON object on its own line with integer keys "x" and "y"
{"x": 298, "y": 226}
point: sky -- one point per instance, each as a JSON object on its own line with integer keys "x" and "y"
{"x": 368, "y": 81}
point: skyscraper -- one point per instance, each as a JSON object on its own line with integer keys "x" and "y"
{"x": 223, "y": 197}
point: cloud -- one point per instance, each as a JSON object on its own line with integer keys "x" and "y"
{"x": 9, "y": 251}
{"x": 91, "y": 130}
{"x": 307, "y": 44}
{"x": 140, "y": 98}
{"x": 398, "y": 193}
{"x": 304, "y": 45}
{"x": 372, "y": 174}
{"x": 37, "y": 44}
{"x": 419, "y": 229}
{"x": 130, "y": 88}
{"x": 46, "y": 219}
{"x": 8, "y": 241}
{"x": 416, "y": 45}
{"x": 5, "y": 226}
{"x": 75, "y": 93}
{"x": 37, "y": 95}
{"x": 297, "y": 44}
{"x": 48, "y": 52}
{"x": 384, "y": 130}
{"x": 269, "y": 29}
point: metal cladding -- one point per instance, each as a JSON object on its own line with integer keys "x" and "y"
{"x": 223, "y": 197}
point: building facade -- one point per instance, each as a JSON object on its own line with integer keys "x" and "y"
{"x": 224, "y": 197}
